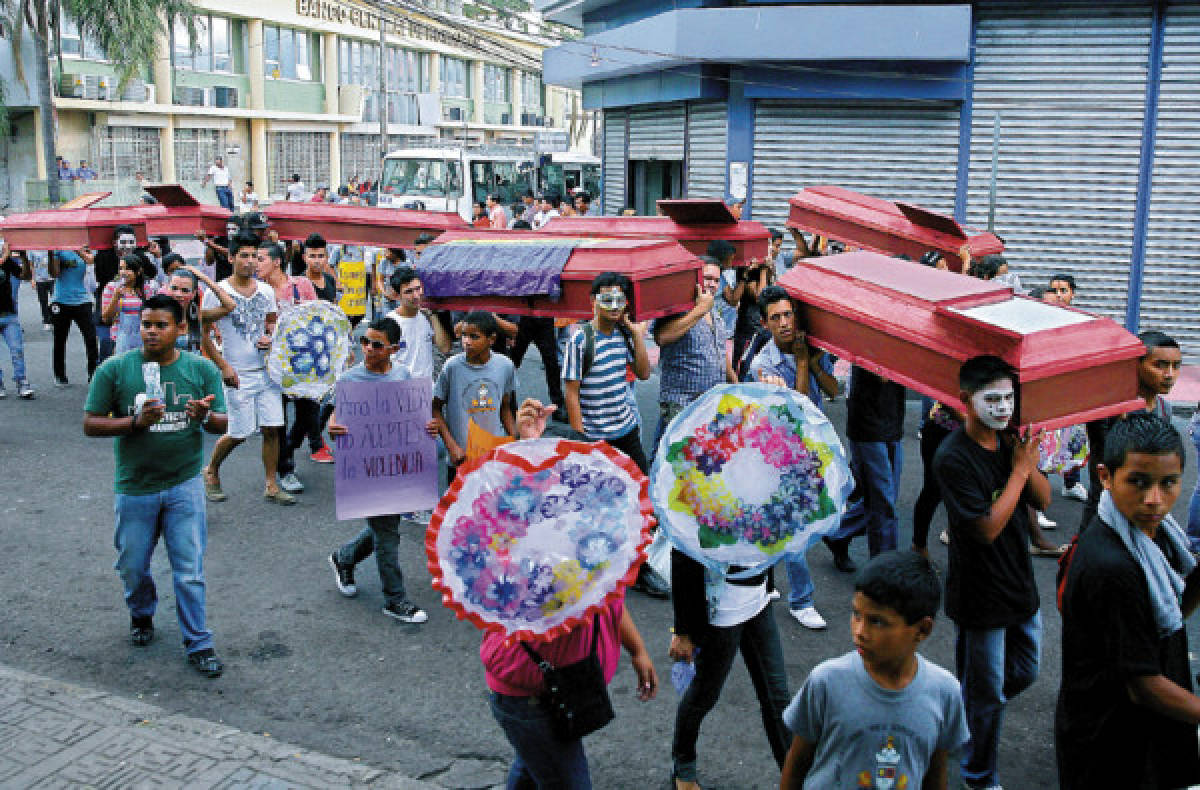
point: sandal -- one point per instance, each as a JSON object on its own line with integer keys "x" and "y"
{"x": 213, "y": 491}
{"x": 279, "y": 497}
{"x": 1053, "y": 551}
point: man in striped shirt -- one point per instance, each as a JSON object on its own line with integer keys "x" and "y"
{"x": 599, "y": 402}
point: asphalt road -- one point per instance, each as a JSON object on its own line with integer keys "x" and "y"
{"x": 335, "y": 675}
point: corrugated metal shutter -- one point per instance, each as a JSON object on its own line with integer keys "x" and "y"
{"x": 1068, "y": 80}
{"x": 707, "y": 134}
{"x": 897, "y": 151}
{"x": 1171, "y": 295}
{"x": 303, "y": 153}
{"x": 614, "y": 162}
{"x": 656, "y": 132}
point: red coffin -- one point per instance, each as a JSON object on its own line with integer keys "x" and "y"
{"x": 375, "y": 227}
{"x": 177, "y": 213}
{"x": 890, "y": 228}
{"x": 664, "y": 276}
{"x": 692, "y": 223}
{"x": 916, "y": 325}
{"x": 71, "y": 228}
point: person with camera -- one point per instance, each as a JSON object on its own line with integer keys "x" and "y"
{"x": 543, "y": 758}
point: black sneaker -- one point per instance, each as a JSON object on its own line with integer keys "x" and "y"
{"x": 206, "y": 663}
{"x": 343, "y": 577}
{"x": 141, "y": 631}
{"x": 840, "y": 549}
{"x": 406, "y": 612}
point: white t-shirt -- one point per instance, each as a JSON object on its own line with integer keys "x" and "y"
{"x": 248, "y": 201}
{"x": 296, "y": 191}
{"x": 739, "y": 604}
{"x": 241, "y": 329}
{"x": 416, "y": 344}
{"x": 542, "y": 217}
{"x": 219, "y": 176}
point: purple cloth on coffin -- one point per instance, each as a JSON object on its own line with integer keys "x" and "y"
{"x": 501, "y": 268}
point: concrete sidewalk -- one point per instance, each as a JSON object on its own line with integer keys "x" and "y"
{"x": 61, "y": 735}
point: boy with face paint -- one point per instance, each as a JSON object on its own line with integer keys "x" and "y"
{"x": 989, "y": 477}
{"x": 1157, "y": 372}
{"x": 1127, "y": 712}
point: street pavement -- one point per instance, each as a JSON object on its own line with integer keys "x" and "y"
{"x": 333, "y": 676}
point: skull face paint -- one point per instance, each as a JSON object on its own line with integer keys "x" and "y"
{"x": 126, "y": 243}
{"x": 995, "y": 403}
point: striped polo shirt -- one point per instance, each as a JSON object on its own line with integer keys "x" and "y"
{"x": 604, "y": 394}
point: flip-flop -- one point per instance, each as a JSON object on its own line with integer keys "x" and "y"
{"x": 1057, "y": 551}
{"x": 213, "y": 492}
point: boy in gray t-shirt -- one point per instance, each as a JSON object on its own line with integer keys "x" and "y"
{"x": 881, "y": 716}
{"x": 476, "y": 385}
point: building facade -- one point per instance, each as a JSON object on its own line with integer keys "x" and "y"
{"x": 1087, "y": 108}
{"x": 293, "y": 88}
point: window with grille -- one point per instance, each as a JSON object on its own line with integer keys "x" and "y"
{"x": 408, "y": 75}
{"x": 358, "y": 64}
{"x": 531, "y": 91}
{"x": 75, "y": 44}
{"x": 121, "y": 151}
{"x": 455, "y": 84}
{"x": 495, "y": 83}
{"x": 290, "y": 54}
{"x": 361, "y": 157}
{"x": 303, "y": 153}
{"x": 195, "y": 152}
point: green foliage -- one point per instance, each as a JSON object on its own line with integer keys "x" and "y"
{"x": 125, "y": 29}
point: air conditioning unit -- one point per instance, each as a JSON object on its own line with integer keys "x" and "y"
{"x": 137, "y": 91}
{"x": 454, "y": 113}
{"x": 532, "y": 119}
{"x": 505, "y": 118}
{"x": 352, "y": 100}
{"x": 191, "y": 97}
{"x": 70, "y": 86}
{"x": 225, "y": 96}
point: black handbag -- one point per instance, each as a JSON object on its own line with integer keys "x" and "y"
{"x": 576, "y": 697}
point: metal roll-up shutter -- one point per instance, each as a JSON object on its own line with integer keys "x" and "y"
{"x": 707, "y": 135}
{"x": 1171, "y": 292}
{"x": 614, "y": 162}
{"x": 656, "y": 132}
{"x": 896, "y": 151}
{"x": 1070, "y": 137}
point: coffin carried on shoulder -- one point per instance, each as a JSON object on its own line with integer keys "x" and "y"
{"x": 81, "y": 225}
{"x": 916, "y": 325}
{"x": 523, "y": 273}
{"x": 871, "y": 223}
{"x": 360, "y": 225}
{"x": 692, "y": 223}
{"x": 178, "y": 213}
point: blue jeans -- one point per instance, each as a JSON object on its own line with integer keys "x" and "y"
{"x": 225, "y": 197}
{"x": 14, "y": 338}
{"x": 800, "y": 583}
{"x": 762, "y": 652}
{"x": 542, "y": 762}
{"x": 178, "y": 515}
{"x": 993, "y": 666}
{"x": 1193, "y": 525}
{"x": 381, "y": 536}
{"x": 872, "y": 509}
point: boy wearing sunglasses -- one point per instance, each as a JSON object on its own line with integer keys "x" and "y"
{"x": 381, "y": 535}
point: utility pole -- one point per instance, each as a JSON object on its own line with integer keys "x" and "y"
{"x": 383, "y": 89}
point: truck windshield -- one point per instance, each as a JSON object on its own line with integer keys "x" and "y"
{"x": 428, "y": 177}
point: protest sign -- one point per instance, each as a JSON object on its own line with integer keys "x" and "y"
{"x": 386, "y": 462}
{"x": 352, "y": 272}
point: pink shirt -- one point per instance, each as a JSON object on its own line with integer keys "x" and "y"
{"x": 286, "y": 293}
{"x": 499, "y": 218}
{"x": 509, "y": 670}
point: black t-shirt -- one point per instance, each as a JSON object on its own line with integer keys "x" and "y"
{"x": 987, "y": 585}
{"x": 874, "y": 409}
{"x": 328, "y": 291}
{"x": 222, "y": 264}
{"x": 10, "y": 270}
{"x": 1109, "y": 637}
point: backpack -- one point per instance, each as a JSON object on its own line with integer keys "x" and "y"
{"x": 589, "y": 346}
{"x": 756, "y": 344}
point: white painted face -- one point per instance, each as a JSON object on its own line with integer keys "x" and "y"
{"x": 126, "y": 243}
{"x": 995, "y": 404}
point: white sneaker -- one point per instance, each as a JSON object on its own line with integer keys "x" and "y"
{"x": 1044, "y": 522}
{"x": 809, "y": 617}
{"x": 773, "y": 595}
{"x": 1076, "y": 491}
{"x": 291, "y": 483}
{"x": 944, "y": 537}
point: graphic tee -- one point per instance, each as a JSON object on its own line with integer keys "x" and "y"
{"x": 241, "y": 329}
{"x": 475, "y": 392}
{"x": 871, "y": 737}
{"x": 171, "y": 451}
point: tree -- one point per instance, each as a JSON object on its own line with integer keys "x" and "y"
{"x": 124, "y": 29}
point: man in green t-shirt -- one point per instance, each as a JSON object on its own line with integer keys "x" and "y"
{"x": 155, "y": 400}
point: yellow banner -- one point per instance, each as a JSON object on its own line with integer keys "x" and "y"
{"x": 480, "y": 442}
{"x": 353, "y": 275}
